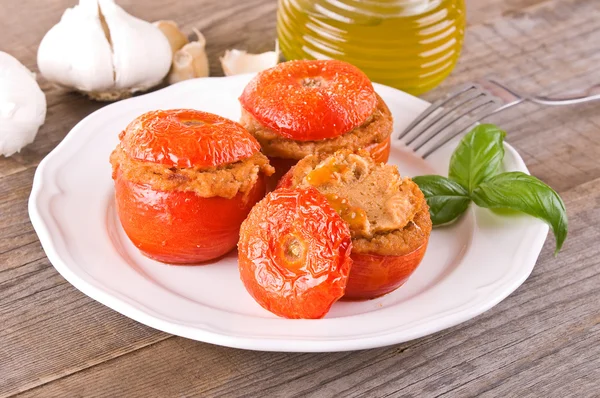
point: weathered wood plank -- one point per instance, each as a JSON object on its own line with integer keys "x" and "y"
{"x": 49, "y": 329}
{"x": 542, "y": 341}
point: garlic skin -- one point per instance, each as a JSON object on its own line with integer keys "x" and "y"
{"x": 22, "y": 105}
{"x": 235, "y": 62}
{"x": 175, "y": 36}
{"x": 190, "y": 61}
{"x": 99, "y": 49}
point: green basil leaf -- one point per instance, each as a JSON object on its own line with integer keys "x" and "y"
{"x": 522, "y": 192}
{"x": 446, "y": 199}
{"x": 478, "y": 156}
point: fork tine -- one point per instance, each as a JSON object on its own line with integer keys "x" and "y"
{"x": 434, "y": 106}
{"x": 488, "y": 109}
{"x": 476, "y": 103}
{"x": 470, "y": 96}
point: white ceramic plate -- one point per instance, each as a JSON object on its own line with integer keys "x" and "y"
{"x": 468, "y": 268}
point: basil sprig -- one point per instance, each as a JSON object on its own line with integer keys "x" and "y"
{"x": 474, "y": 176}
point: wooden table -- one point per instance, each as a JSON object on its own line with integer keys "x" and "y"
{"x": 544, "y": 340}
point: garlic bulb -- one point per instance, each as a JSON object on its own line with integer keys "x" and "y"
{"x": 99, "y": 49}
{"x": 235, "y": 62}
{"x": 22, "y": 105}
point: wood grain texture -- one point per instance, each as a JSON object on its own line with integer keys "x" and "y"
{"x": 544, "y": 340}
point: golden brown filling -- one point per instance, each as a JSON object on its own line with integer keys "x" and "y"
{"x": 399, "y": 242}
{"x": 353, "y": 215}
{"x": 361, "y": 186}
{"x": 387, "y": 214}
{"x": 225, "y": 181}
{"x": 377, "y": 128}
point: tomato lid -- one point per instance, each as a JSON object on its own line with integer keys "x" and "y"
{"x": 310, "y": 100}
{"x": 294, "y": 253}
{"x": 187, "y": 138}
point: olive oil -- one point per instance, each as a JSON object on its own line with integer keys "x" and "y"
{"x": 409, "y": 44}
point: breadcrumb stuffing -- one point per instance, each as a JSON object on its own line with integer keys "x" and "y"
{"x": 398, "y": 242}
{"x": 225, "y": 181}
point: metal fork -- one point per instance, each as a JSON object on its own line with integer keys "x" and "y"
{"x": 463, "y": 108}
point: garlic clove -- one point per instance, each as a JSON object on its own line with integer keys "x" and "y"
{"x": 141, "y": 53}
{"x": 171, "y": 30}
{"x": 22, "y": 105}
{"x": 75, "y": 52}
{"x": 99, "y": 49}
{"x": 190, "y": 61}
{"x": 235, "y": 62}
{"x": 182, "y": 68}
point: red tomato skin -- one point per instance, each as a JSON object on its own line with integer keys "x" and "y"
{"x": 374, "y": 275}
{"x": 279, "y": 99}
{"x": 167, "y": 137}
{"x": 181, "y": 227}
{"x": 286, "y": 180}
{"x": 308, "y": 286}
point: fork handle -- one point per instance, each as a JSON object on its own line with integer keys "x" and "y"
{"x": 590, "y": 94}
